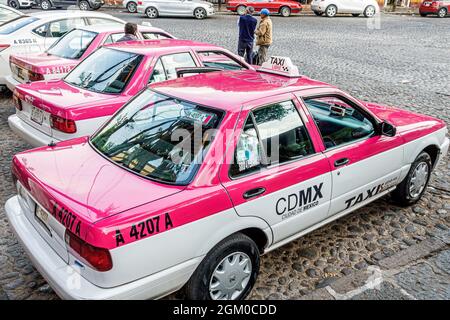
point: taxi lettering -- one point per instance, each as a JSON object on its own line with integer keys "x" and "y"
{"x": 66, "y": 218}
{"x": 363, "y": 196}
{"x": 298, "y": 202}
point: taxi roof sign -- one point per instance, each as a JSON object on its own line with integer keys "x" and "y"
{"x": 280, "y": 65}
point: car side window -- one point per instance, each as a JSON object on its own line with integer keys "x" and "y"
{"x": 178, "y": 60}
{"x": 41, "y": 30}
{"x": 280, "y": 137}
{"x": 214, "y": 59}
{"x": 154, "y": 36}
{"x": 61, "y": 27}
{"x": 158, "y": 73}
{"x": 338, "y": 121}
{"x": 113, "y": 38}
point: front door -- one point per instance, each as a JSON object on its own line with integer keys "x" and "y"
{"x": 364, "y": 163}
{"x": 276, "y": 172}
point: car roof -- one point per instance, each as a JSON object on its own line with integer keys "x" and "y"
{"x": 230, "y": 90}
{"x": 11, "y": 9}
{"x": 114, "y": 27}
{"x": 60, "y": 14}
{"x": 146, "y": 47}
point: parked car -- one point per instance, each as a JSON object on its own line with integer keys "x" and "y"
{"x": 130, "y": 5}
{"x": 7, "y": 14}
{"x": 282, "y": 7}
{"x": 82, "y": 4}
{"x": 356, "y": 7}
{"x": 57, "y": 110}
{"x": 175, "y": 8}
{"x": 36, "y": 32}
{"x": 69, "y": 51}
{"x": 17, "y": 4}
{"x": 139, "y": 210}
{"x": 439, "y": 8}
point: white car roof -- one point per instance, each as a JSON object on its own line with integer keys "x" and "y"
{"x": 114, "y": 27}
{"x": 61, "y": 14}
{"x": 11, "y": 9}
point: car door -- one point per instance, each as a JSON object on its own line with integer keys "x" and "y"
{"x": 364, "y": 163}
{"x": 344, "y": 6}
{"x": 169, "y": 7}
{"x": 274, "y": 170}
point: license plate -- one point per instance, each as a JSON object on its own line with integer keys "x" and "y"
{"x": 41, "y": 214}
{"x": 20, "y": 73}
{"x": 37, "y": 115}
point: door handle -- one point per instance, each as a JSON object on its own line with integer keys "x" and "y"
{"x": 253, "y": 193}
{"x": 341, "y": 162}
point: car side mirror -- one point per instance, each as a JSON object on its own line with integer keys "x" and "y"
{"x": 387, "y": 129}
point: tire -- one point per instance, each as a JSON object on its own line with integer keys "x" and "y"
{"x": 370, "y": 11}
{"x": 45, "y": 5}
{"x": 84, "y": 5}
{"x": 241, "y": 10}
{"x": 331, "y": 11}
{"x": 235, "y": 247}
{"x": 14, "y": 4}
{"x": 152, "y": 12}
{"x": 317, "y": 13}
{"x": 132, "y": 7}
{"x": 355, "y": 14}
{"x": 442, "y": 13}
{"x": 404, "y": 194}
{"x": 285, "y": 11}
{"x": 200, "y": 13}
{"x": 423, "y": 14}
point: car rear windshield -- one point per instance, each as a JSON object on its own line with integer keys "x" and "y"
{"x": 16, "y": 24}
{"x": 105, "y": 71}
{"x": 159, "y": 137}
{"x": 73, "y": 44}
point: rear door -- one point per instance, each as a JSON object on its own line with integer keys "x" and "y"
{"x": 275, "y": 171}
{"x": 364, "y": 163}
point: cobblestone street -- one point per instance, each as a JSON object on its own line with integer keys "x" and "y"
{"x": 405, "y": 63}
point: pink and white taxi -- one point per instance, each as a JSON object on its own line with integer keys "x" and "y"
{"x": 82, "y": 101}
{"x": 192, "y": 180}
{"x": 69, "y": 51}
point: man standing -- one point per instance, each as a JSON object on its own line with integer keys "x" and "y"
{"x": 247, "y": 25}
{"x": 130, "y": 32}
{"x": 264, "y": 34}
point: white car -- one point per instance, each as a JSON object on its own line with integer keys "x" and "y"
{"x": 180, "y": 8}
{"x": 17, "y": 4}
{"x": 130, "y": 5}
{"x": 7, "y": 14}
{"x": 36, "y": 32}
{"x": 356, "y": 7}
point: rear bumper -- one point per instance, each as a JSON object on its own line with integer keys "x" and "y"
{"x": 31, "y": 135}
{"x": 68, "y": 284}
{"x": 11, "y": 83}
{"x": 444, "y": 149}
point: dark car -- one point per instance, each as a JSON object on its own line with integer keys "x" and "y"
{"x": 82, "y": 4}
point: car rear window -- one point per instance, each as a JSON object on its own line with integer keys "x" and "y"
{"x": 73, "y": 44}
{"x": 159, "y": 137}
{"x": 16, "y": 24}
{"x": 105, "y": 71}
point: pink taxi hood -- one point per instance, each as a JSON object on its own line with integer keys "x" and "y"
{"x": 62, "y": 99}
{"x": 77, "y": 178}
{"x": 44, "y": 63}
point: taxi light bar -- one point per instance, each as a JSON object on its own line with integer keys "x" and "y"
{"x": 63, "y": 125}
{"x": 98, "y": 258}
{"x": 280, "y": 65}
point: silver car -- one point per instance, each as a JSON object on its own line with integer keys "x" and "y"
{"x": 180, "y": 8}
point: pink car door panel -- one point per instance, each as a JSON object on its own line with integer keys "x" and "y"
{"x": 275, "y": 172}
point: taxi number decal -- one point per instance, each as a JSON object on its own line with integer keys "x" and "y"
{"x": 24, "y": 41}
{"x": 66, "y": 218}
{"x": 146, "y": 228}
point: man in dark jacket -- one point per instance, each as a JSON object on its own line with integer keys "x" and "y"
{"x": 247, "y": 25}
{"x": 130, "y": 32}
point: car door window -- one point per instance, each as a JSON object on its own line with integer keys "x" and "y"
{"x": 338, "y": 121}
{"x": 113, "y": 37}
{"x": 41, "y": 30}
{"x": 158, "y": 73}
{"x": 154, "y": 36}
{"x": 215, "y": 59}
{"x": 61, "y": 27}
{"x": 279, "y": 136}
{"x": 166, "y": 67}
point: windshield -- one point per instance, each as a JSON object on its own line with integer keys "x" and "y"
{"x": 73, "y": 44}
{"x": 105, "y": 70}
{"x": 16, "y": 24}
{"x": 159, "y": 137}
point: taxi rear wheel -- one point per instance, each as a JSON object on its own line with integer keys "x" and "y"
{"x": 228, "y": 272}
{"x": 411, "y": 189}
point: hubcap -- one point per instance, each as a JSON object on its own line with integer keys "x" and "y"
{"x": 442, "y": 13}
{"x": 285, "y": 12}
{"x": 418, "y": 180}
{"x": 44, "y": 5}
{"x": 83, "y": 6}
{"x": 132, "y": 7}
{"x": 241, "y": 11}
{"x": 151, "y": 13}
{"x": 199, "y": 13}
{"x": 13, "y": 4}
{"x": 370, "y": 11}
{"x": 231, "y": 277}
{"x": 331, "y": 11}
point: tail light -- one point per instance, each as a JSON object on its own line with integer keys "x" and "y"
{"x": 140, "y": 3}
{"x": 63, "y": 125}
{"x": 33, "y": 76}
{"x": 97, "y": 258}
{"x": 4, "y": 46}
{"x": 17, "y": 102}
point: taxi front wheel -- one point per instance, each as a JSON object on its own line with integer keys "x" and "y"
{"x": 411, "y": 189}
{"x": 228, "y": 272}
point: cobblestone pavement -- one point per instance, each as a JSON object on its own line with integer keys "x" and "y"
{"x": 405, "y": 63}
